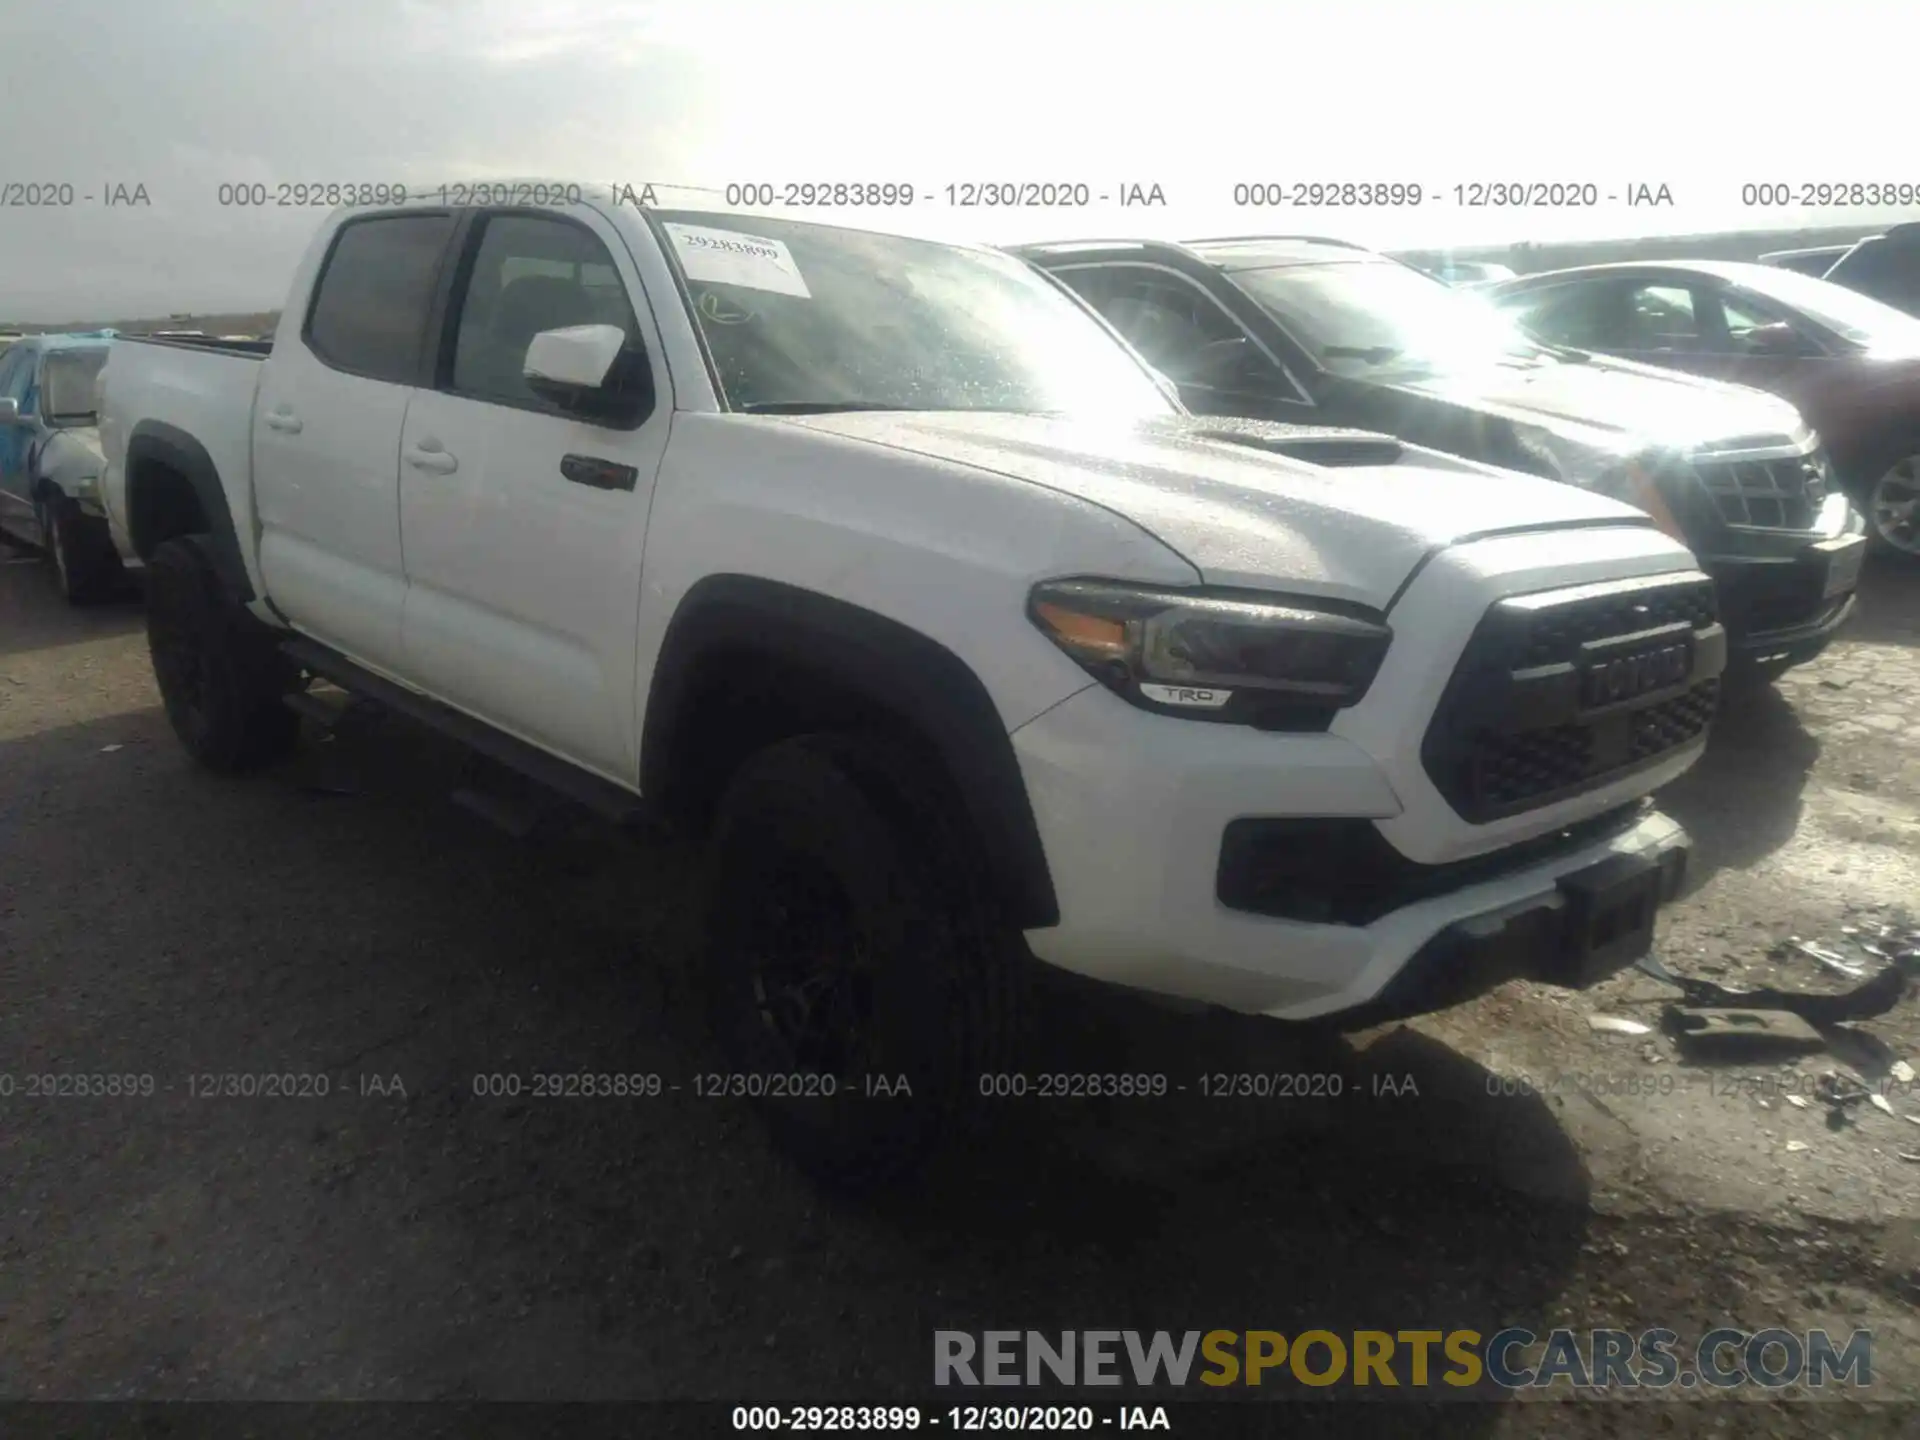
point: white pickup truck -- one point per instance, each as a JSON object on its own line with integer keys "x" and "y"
{"x": 886, "y": 567}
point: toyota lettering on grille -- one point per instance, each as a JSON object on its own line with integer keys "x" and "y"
{"x": 1639, "y": 672}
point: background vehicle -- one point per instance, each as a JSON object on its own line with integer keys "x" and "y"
{"x": 50, "y": 459}
{"x": 1316, "y": 330}
{"x": 1885, "y": 267}
{"x": 883, "y": 565}
{"x": 1815, "y": 260}
{"x": 1464, "y": 272}
{"x": 1848, "y": 363}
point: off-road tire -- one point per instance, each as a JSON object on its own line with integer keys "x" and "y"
{"x": 221, "y": 676}
{"x": 947, "y": 977}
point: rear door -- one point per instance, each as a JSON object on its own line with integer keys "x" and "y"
{"x": 525, "y": 525}
{"x": 326, "y": 433}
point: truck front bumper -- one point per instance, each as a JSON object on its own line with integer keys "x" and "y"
{"x": 1142, "y": 819}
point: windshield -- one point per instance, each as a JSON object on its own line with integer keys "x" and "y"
{"x": 802, "y": 317}
{"x": 1859, "y": 318}
{"x": 1364, "y": 317}
{"x": 67, "y": 385}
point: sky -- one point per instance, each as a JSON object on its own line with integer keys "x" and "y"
{"x": 181, "y": 97}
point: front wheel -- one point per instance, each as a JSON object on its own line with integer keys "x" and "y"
{"x": 860, "y": 981}
{"x": 221, "y": 677}
{"x": 85, "y": 566}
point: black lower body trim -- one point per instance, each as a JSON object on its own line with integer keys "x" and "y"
{"x": 1530, "y": 940}
{"x": 601, "y": 796}
{"x": 1345, "y": 872}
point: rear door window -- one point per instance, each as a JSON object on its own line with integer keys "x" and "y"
{"x": 370, "y": 307}
{"x": 1662, "y": 318}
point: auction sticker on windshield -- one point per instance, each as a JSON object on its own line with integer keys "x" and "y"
{"x": 726, "y": 257}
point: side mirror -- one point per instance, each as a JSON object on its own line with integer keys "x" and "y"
{"x": 9, "y": 410}
{"x": 591, "y": 371}
{"x": 1777, "y": 339}
{"x": 562, "y": 363}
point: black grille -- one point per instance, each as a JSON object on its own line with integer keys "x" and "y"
{"x": 1782, "y": 494}
{"x": 1676, "y": 722}
{"x": 1557, "y": 633}
{"x": 1518, "y": 727}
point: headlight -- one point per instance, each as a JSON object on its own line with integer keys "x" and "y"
{"x": 1271, "y": 663}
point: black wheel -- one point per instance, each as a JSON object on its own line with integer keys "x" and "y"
{"x": 221, "y": 677}
{"x": 860, "y": 982}
{"x": 85, "y": 566}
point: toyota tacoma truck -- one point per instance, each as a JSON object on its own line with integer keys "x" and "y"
{"x": 884, "y": 566}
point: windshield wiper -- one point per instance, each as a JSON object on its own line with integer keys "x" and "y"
{"x": 1372, "y": 354}
{"x": 810, "y": 407}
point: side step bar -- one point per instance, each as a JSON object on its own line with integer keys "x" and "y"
{"x": 602, "y": 797}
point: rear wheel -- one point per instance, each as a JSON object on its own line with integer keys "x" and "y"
{"x": 860, "y": 982}
{"x": 221, "y": 676}
{"x": 1892, "y": 505}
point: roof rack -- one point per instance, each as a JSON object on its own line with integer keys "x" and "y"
{"x": 1310, "y": 239}
{"x": 1133, "y": 241}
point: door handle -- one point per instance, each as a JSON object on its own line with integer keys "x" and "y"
{"x": 283, "y": 421}
{"x": 432, "y": 459}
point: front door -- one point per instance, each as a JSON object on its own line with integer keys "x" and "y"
{"x": 525, "y": 526}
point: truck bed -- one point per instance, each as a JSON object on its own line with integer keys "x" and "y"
{"x": 193, "y": 398}
{"x": 242, "y": 349}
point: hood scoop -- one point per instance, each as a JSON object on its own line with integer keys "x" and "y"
{"x": 1316, "y": 445}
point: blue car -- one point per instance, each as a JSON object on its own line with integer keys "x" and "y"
{"x": 50, "y": 459}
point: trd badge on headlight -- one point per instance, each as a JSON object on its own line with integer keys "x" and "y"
{"x": 1184, "y": 695}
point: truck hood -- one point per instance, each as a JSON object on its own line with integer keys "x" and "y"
{"x": 1238, "y": 513}
{"x": 1615, "y": 406}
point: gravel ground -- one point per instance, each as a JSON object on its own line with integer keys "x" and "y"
{"x": 401, "y": 1238}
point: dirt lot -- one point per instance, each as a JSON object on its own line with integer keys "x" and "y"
{"x": 339, "y": 918}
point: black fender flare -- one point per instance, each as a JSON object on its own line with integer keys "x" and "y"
{"x": 891, "y": 666}
{"x": 153, "y": 442}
